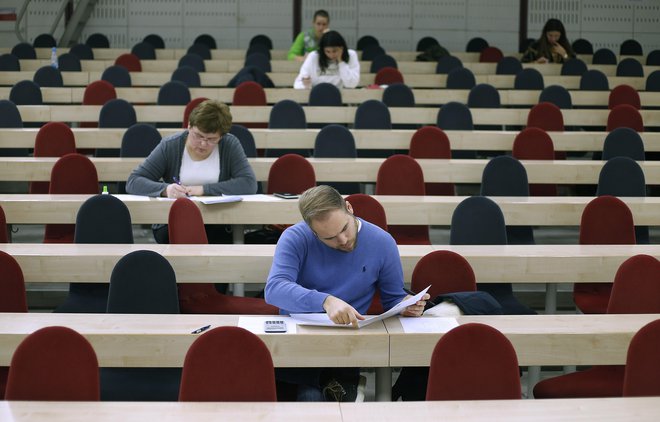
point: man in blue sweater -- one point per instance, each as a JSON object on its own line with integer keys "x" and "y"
{"x": 334, "y": 262}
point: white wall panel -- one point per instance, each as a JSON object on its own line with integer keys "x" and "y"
{"x": 439, "y": 15}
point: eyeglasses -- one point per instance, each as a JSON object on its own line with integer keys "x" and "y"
{"x": 199, "y": 138}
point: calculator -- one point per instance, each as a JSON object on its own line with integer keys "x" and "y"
{"x": 275, "y": 326}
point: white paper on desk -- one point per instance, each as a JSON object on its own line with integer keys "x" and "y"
{"x": 322, "y": 320}
{"x": 255, "y": 324}
{"x": 428, "y": 324}
{"x": 261, "y": 198}
{"x": 216, "y": 199}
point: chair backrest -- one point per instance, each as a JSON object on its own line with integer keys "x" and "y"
{"x": 130, "y": 61}
{"x": 398, "y": 95}
{"x": 447, "y": 271}
{"x": 382, "y": 61}
{"x": 484, "y": 96}
{"x": 476, "y": 45}
{"x": 636, "y": 287}
{"x": 54, "y": 139}
{"x": 98, "y": 40}
{"x": 429, "y": 142}
{"x": 653, "y": 81}
{"x": 603, "y": 56}
{"x": 262, "y": 39}
{"x": 9, "y": 63}
{"x": 117, "y": 113}
{"x": 291, "y": 173}
{"x": 287, "y": 114}
{"x": 173, "y": 93}
{"x": 207, "y": 40}
{"x": 245, "y": 137}
{"x": 24, "y": 51}
{"x": 653, "y": 58}
{"x": 10, "y": 117}
{"x": 190, "y": 107}
{"x": 118, "y": 76}
{"x": 529, "y": 78}
{"x": 630, "y": 67}
{"x": 370, "y": 52}
{"x": 455, "y": 116}
{"x": 68, "y": 62}
{"x": 99, "y": 93}
{"x": 573, "y": 67}
{"x": 624, "y": 94}
{"x": 44, "y": 41}
{"x": 54, "y": 364}
{"x": 188, "y": 76}
{"x": 477, "y": 220}
{"x": 533, "y": 143}
{"x": 642, "y": 370}
{"x": 103, "y": 219}
{"x": 48, "y": 76}
{"x": 448, "y": 63}
{"x": 12, "y": 283}
{"x": 621, "y": 176}
{"x": 325, "y": 94}
{"x": 26, "y": 93}
{"x": 557, "y": 95}
{"x": 258, "y": 48}
{"x": 460, "y": 78}
{"x": 491, "y": 55}
{"x": 185, "y": 223}
{"x": 582, "y": 46}
{"x": 145, "y": 50}
{"x": 480, "y": 362}
{"x": 625, "y": 115}
{"x": 228, "y": 364}
{"x": 143, "y": 282}
{"x": 594, "y": 80}
{"x": 623, "y": 142}
{"x": 426, "y": 42}
{"x": 82, "y": 51}
{"x": 388, "y": 75}
{"x": 249, "y": 93}
{"x": 631, "y": 47}
{"x": 193, "y": 60}
{"x": 259, "y": 60}
{"x": 400, "y": 174}
{"x": 504, "y": 176}
{"x": 508, "y": 66}
{"x": 139, "y": 140}
{"x": 155, "y": 40}
{"x": 74, "y": 174}
{"x": 607, "y": 220}
{"x": 546, "y": 116}
{"x": 335, "y": 141}
{"x": 368, "y": 208}
{"x": 372, "y": 114}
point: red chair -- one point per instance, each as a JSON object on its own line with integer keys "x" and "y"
{"x": 388, "y": 76}
{"x": 186, "y": 226}
{"x": 624, "y": 94}
{"x": 4, "y": 230}
{"x": 54, "y": 364}
{"x": 533, "y": 143}
{"x": 228, "y": 364}
{"x": 71, "y": 174}
{"x": 401, "y": 175}
{"x": 642, "y": 373}
{"x": 625, "y": 115}
{"x": 250, "y": 93}
{"x": 636, "y": 290}
{"x": 130, "y": 61}
{"x": 432, "y": 142}
{"x": 491, "y": 55}
{"x": 447, "y": 271}
{"x": 291, "y": 173}
{"x": 12, "y": 297}
{"x": 97, "y": 93}
{"x": 54, "y": 139}
{"x": 473, "y": 362}
{"x": 546, "y": 116}
{"x": 190, "y": 107}
{"x": 606, "y": 220}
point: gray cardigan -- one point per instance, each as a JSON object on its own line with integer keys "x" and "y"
{"x": 164, "y": 163}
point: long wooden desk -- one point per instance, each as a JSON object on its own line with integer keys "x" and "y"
{"x": 364, "y": 139}
{"x": 347, "y": 169}
{"x": 344, "y": 114}
{"x": 508, "y": 97}
{"x": 286, "y": 79}
{"x": 53, "y": 263}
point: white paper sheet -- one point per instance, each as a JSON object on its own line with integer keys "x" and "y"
{"x": 216, "y": 199}
{"x": 255, "y": 324}
{"x": 428, "y": 324}
{"x": 322, "y": 320}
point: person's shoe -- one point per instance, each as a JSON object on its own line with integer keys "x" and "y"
{"x": 346, "y": 392}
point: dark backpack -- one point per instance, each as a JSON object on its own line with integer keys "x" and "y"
{"x": 432, "y": 54}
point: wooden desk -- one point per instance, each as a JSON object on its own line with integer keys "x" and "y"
{"x": 646, "y": 409}
{"x": 343, "y": 114}
{"x": 347, "y": 169}
{"x": 28, "y": 411}
{"x": 538, "y": 339}
{"x": 432, "y": 210}
{"x": 55, "y": 263}
{"x": 364, "y": 139}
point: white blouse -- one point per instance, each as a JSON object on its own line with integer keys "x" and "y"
{"x": 342, "y": 75}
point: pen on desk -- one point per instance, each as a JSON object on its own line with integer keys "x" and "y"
{"x": 201, "y": 329}
{"x": 411, "y": 293}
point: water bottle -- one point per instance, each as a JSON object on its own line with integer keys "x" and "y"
{"x": 53, "y": 57}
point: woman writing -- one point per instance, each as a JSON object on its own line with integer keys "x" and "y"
{"x": 332, "y": 63}
{"x": 552, "y": 47}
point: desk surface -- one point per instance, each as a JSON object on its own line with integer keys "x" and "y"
{"x": 48, "y": 263}
{"x": 263, "y": 209}
{"x": 538, "y": 339}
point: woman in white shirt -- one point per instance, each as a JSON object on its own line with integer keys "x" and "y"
{"x": 333, "y": 63}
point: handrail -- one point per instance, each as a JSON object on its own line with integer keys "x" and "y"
{"x": 21, "y": 14}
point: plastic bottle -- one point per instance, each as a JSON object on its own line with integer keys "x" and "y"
{"x": 53, "y": 57}
{"x": 105, "y": 190}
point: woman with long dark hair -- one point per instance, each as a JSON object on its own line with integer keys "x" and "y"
{"x": 552, "y": 47}
{"x": 333, "y": 63}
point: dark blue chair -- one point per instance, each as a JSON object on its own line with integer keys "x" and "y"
{"x": 202, "y": 50}
{"x": 117, "y": 113}
{"x": 557, "y": 95}
{"x": 245, "y": 137}
{"x": 573, "y": 67}
{"x": 456, "y": 116}
{"x": 258, "y": 48}
{"x": 48, "y": 76}
{"x": 98, "y": 40}
{"x": 366, "y": 40}
{"x": 188, "y": 76}
{"x": 460, "y": 78}
{"x": 476, "y": 45}
{"x": 10, "y": 117}
{"x": 604, "y": 56}
{"x": 484, "y": 96}
{"x": 24, "y": 51}
{"x": 207, "y": 40}
{"x": 478, "y": 220}
{"x": 144, "y": 50}
{"x": 287, "y": 114}
{"x": 325, "y": 95}
{"x": 118, "y": 76}
{"x": 631, "y": 48}
{"x": 372, "y": 114}
{"x": 193, "y": 60}
{"x": 173, "y": 93}
{"x": 262, "y": 39}
{"x": 448, "y": 63}
{"x": 68, "y": 62}
{"x": 382, "y": 61}
{"x": 9, "y": 63}
{"x": 653, "y": 59}
{"x": 594, "y": 80}
{"x": 372, "y": 51}
{"x": 259, "y": 60}
{"x": 508, "y": 66}
{"x": 26, "y": 93}
{"x": 653, "y": 81}
{"x": 138, "y": 141}
{"x": 582, "y": 46}
{"x": 630, "y": 67}
{"x": 529, "y": 78}
{"x": 426, "y": 42}
{"x": 44, "y": 41}
{"x": 155, "y": 40}
{"x": 398, "y": 95}
{"x": 335, "y": 141}
{"x": 82, "y": 51}
{"x": 623, "y": 142}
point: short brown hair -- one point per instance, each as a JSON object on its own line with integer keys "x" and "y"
{"x": 211, "y": 116}
{"x": 317, "y": 201}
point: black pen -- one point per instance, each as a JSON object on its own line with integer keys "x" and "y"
{"x": 411, "y": 293}
{"x": 201, "y": 329}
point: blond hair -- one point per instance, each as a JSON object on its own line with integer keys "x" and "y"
{"x": 316, "y": 202}
{"x": 211, "y": 116}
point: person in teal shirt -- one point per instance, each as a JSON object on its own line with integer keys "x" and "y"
{"x": 307, "y": 41}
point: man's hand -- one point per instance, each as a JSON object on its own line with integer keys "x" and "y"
{"x": 341, "y": 312}
{"x": 416, "y": 309}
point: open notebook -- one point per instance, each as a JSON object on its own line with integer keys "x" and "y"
{"x": 322, "y": 320}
